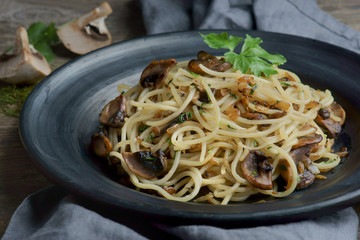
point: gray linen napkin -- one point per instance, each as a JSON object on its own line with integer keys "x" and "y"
{"x": 296, "y": 17}
{"x": 52, "y": 214}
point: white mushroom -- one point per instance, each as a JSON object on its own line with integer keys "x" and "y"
{"x": 24, "y": 64}
{"x": 88, "y": 32}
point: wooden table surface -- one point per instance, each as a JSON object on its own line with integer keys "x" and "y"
{"x": 18, "y": 176}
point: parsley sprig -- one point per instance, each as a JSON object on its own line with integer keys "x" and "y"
{"x": 252, "y": 56}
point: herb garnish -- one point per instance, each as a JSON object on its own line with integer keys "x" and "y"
{"x": 143, "y": 128}
{"x": 252, "y": 56}
{"x": 194, "y": 74}
{"x": 184, "y": 116}
{"x": 230, "y": 126}
{"x": 253, "y": 89}
{"x": 42, "y": 37}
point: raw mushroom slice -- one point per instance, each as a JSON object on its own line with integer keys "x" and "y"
{"x": 155, "y": 73}
{"x": 88, "y": 32}
{"x": 113, "y": 114}
{"x": 25, "y": 65}
{"x": 257, "y": 170}
{"x": 145, "y": 163}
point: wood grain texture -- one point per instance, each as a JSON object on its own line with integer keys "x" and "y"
{"x": 18, "y": 176}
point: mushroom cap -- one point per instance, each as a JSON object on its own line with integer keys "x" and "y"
{"x": 113, "y": 114}
{"x": 155, "y": 73}
{"x": 208, "y": 61}
{"x": 26, "y": 65}
{"x": 88, "y": 32}
{"x": 100, "y": 144}
{"x": 257, "y": 170}
{"x": 145, "y": 163}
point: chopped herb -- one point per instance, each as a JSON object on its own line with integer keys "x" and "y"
{"x": 253, "y": 89}
{"x": 255, "y": 143}
{"x": 150, "y": 158}
{"x": 254, "y": 173}
{"x": 203, "y": 104}
{"x": 194, "y": 74}
{"x": 122, "y": 93}
{"x": 230, "y": 126}
{"x": 269, "y": 147}
{"x": 149, "y": 138}
{"x": 298, "y": 179}
{"x": 277, "y": 101}
{"x": 194, "y": 85}
{"x": 143, "y": 128}
{"x": 171, "y": 97}
{"x": 209, "y": 85}
{"x": 233, "y": 95}
{"x": 219, "y": 123}
{"x": 184, "y": 116}
{"x": 201, "y": 111}
{"x": 170, "y": 81}
{"x": 286, "y": 84}
{"x": 283, "y": 167}
{"x": 210, "y": 151}
{"x": 252, "y": 56}
{"x": 330, "y": 161}
{"x": 168, "y": 140}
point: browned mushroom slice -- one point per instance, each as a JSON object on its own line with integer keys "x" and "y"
{"x": 114, "y": 112}
{"x": 305, "y": 179}
{"x": 100, "y": 144}
{"x": 209, "y": 61}
{"x": 253, "y": 116}
{"x": 155, "y": 73}
{"x": 277, "y": 115}
{"x": 331, "y": 126}
{"x": 145, "y": 163}
{"x": 308, "y": 140}
{"x": 338, "y": 111}
{"x": 257, "y": 170}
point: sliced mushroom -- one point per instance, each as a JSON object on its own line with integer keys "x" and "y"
{"x": 24, "y": 64}
{"x": 305, "y": 179}
{"x": 113, "y": 114}
{"x": 208, "y": 61}
{"x": 253, "y": 116}
{"x": 155, "y": 73}
{"x": 88, "y": 32}
{"x": 308, "y": 140}
{"x": 100, "y": 144}
{"x": 145, "y": 163}
{"x": 257, "y": 170}
{"x": 331, "y": 126}
{"x": 277, "y": 115}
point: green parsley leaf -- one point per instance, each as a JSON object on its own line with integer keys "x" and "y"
{"x": 42, "y": 37}
{"x": 230, "y": 126}
{"x": 255, "y": 143}
{"x": 254, "y": 173}
{"x": 221, "y": 40}
{"x": 252, "y": 56}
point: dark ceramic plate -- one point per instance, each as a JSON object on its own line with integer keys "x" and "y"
{"x": 62, "y": 113}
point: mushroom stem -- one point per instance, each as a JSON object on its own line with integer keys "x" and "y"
{"x": 25, "y": 65}
{"x": 102, "y": 11}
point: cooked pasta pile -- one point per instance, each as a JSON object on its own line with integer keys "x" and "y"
{"x": 230, "y": 133}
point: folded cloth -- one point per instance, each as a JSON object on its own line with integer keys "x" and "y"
{"x": 296, "y": 17}
{"x": 51, "y": 214}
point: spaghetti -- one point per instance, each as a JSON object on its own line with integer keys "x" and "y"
{"x": 231, "y": 133}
